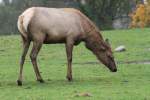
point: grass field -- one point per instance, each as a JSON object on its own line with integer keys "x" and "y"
{"x": 131, "y": 82}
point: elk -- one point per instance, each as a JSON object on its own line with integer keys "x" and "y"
{"x": 42, "y": 25}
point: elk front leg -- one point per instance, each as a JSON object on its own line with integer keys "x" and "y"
{"x": 35, "y": 50}
{"x": 69, "y": 49}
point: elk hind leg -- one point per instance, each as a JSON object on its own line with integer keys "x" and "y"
{"x": 33, "y": 55}
{"x": 26, "y": 44}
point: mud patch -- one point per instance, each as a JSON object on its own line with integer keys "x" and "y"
{"x": 86, "y": 63}
{"x": 136, "y": 62}
{"x": 147, "y": 62}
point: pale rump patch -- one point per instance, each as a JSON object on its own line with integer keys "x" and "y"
{"x": 24, "y": 20}
{"x": 19, "y": 24}
{"x": 27, "y": 15}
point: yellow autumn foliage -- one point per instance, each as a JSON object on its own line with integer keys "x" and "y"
{"x": 141, "y": 16}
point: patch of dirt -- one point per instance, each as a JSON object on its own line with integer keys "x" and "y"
{"x": 88, "y": 63}
{"x": 120, "y": 62}
{"x": 136, "y": 62}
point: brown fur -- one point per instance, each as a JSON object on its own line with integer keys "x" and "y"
{"x": 65, "y": 25}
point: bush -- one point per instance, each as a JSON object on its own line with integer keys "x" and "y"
{"x": 141, "y": 16}
{"x": 103, "y": 12}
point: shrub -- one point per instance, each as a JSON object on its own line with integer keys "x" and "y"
{"x": 141, "y": 16}
{"x": 103, "y": 12}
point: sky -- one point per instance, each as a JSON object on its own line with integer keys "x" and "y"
{"x": 1, "y": 1}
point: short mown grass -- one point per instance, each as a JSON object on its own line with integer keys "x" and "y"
{"x": 131, "y": 82}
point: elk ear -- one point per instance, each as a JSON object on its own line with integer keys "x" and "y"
{"x": 107, "y": 41}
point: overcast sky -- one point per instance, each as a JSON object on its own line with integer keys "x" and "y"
{"x": 1, "y": 1}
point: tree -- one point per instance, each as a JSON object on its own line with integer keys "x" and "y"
{"x": 141, "y": 16}
{"x": 103, "y": 12}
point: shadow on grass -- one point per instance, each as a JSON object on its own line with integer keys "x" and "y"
{"x": 60, "y": 83}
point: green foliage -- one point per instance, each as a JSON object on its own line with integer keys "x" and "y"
{"x": 102, "y": 12}
{"x": 8, "y": 19}
{"x": 9, "y": 12}
{"x": 131, "y": 82}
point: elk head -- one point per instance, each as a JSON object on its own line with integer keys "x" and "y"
{"x": 102, "y": 50}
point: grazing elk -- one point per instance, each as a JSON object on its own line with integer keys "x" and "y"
{"x": 60, "y": 25}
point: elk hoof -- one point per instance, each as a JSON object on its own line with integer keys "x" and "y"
{"x": 69, "y": 78}
{"x": 41, "y": 80}
{"x": 19, "y": 83}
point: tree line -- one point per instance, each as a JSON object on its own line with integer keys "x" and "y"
{"x": 102, "y": 12}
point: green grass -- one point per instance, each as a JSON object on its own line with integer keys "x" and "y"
{"x": 131, "y": 82}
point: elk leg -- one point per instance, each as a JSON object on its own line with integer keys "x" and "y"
{"x": 35, "y": 50}
{"x": 26, "y": 44}
{"x": 69, "y": 49}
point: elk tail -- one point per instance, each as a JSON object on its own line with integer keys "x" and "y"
{"x": 23, "y": 22}
{"x": 21, "y": 28}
